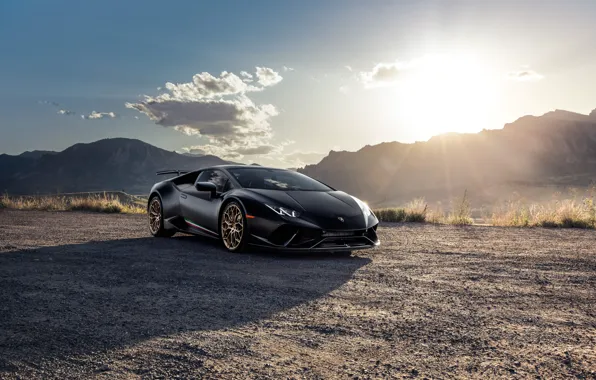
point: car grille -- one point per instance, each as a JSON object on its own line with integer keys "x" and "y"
{"x": 341, "y": 233}
{"x": 295, "y": 237}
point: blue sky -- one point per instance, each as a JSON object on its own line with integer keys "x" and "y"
{"x": 363, "y": 72}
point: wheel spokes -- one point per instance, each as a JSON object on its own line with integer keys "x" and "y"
{"x": 232, "y": 226}
{"x": 154, "y": 215}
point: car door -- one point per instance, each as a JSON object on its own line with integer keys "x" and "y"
{"x": 199, "y": 208}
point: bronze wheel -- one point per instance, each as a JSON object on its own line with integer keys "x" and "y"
{"x": 156, "y": 219}
{"x": 155, "y": 215}
{"x": 232, "y": 227}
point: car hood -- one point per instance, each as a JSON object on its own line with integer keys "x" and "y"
{"x": 323, "y": 208}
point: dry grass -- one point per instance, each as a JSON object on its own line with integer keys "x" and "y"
{"x": 576, "y": 211}
{"x": 415, "y": 211}
{"x": 461, "y": 214}
{"x": 566, "y": 213}
{"x": 95, "y": 203}
{"x": 418, "y": 211}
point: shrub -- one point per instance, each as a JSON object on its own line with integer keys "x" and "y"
{"x": 414, "y": 211}
{"x": 390, "y": 214}
{"x": 461, "y": 215}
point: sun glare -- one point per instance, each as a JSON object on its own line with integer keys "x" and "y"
{"x": 447, "y": 94}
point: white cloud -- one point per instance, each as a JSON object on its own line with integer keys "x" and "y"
{"x": 247, "y": 77}
{"x": 205, "y": 85}
{"x": 218, "y": 109}
{"x": 348, "y": 67}
{"x": 99, "y": 115}
{"x": 525, "y": 75}
{"x": 267, "y": 76}
{"x": 66, "y": 112}
{"x": 384, "y": 74}
{"x": 286, "y": 68}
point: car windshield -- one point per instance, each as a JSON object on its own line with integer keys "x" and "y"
{"x": 276, "y": 179}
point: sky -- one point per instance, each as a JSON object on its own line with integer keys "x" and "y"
{"x": 282, "y": 83}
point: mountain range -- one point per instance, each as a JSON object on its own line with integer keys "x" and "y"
{"x": 116, "y": 164}
{"x": 534, "y": 156}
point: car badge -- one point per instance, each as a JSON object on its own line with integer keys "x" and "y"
{"x": 340, "y": 218}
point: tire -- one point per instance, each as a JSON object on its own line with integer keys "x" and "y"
{"x": 155, "y": 213}
{"x": 233, "y": 229}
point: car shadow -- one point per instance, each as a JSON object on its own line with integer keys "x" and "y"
{"x": 81, "y": 298}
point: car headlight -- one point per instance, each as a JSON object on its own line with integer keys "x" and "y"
{"x": 283, "y": 211}
{"x": 364, "y": 207}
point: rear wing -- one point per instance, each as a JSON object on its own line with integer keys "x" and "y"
{"x": 173, "y": 171}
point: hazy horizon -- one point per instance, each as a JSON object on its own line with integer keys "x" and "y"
{"x": 337, "y": 149}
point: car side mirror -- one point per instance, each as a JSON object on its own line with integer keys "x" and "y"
{"x": 207, "y": 186}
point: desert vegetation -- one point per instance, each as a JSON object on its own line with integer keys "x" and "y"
{"x": 419, "y": 211}
{"x": 103, "y": 202}
{"x": 565, "y": 213}
{"x": 574, "y": 210}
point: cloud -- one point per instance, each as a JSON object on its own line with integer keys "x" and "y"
{"x": 205, "y": 85}
{"x": 99, "y": 115}
{"x": 384, "y": 74}
{"x": 344, "y": 89}
{"x": 267, "y": 76}
{"x": 262, "y": 149}
{"x": 66, "y": 112}
{"x": 236, "y": 154}
{"x": 218, "y": 109}
{"x": 286, "y": 68}
{"x": 525, "y": 75}
{"x": 348, "y": 67}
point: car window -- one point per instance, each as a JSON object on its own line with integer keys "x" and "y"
{"x": 217, "y": 177}
{"x": 275, "y": 179}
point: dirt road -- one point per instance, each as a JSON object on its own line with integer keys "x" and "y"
{"x": 91, "y": 295}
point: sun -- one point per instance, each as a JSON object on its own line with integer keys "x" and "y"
{"x": 447, "y": 93}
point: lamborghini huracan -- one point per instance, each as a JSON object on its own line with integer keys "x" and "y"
{"x": 246, "y": 205}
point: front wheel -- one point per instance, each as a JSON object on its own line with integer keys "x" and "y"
{"x": 233, "y": 227}
{"x": 156, "y": 224}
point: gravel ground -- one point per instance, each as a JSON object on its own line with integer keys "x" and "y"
{"x": 93, "y": 296}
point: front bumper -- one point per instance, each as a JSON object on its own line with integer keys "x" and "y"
{"x": 294, "y": 238}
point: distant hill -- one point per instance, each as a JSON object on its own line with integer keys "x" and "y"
{"x": 533, "y": 155}
{"x": 116, "y": 164}
{"x": 36, "y": 153}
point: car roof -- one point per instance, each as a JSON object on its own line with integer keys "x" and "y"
{"x": 231, "y": 166}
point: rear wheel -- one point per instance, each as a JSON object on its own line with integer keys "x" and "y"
{"x": 233, "y": 227}
{"x": 156, "y": 224}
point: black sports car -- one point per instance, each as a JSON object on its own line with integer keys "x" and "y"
{"x": 253, "y": 205}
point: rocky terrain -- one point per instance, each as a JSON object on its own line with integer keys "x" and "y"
{"x": 93, "y": 296}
